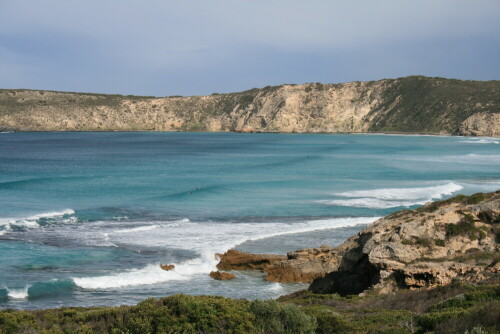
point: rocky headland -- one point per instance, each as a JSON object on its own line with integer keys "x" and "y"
{"x": 413, "y": 104}
{"x": 442, "y": 242}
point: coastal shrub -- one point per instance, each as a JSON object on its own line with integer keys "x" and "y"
{"x": 476, "y": 330}
{"x": 464, "y": 311}
{"x": 210, "y": 314}
{"x": 475, "y": 199}
{"x": 426, "y": 242}
{"x": 428, "y": 321}
{"x": 329, "y": 321}
{"x": 439, "y": 242}
{"x": 465, "y": 226}
{"x": 407, "y": 242}
{"x": 272, "y": 317}
{"x": 245, "y": 101}
{"x": 482, "y": 315}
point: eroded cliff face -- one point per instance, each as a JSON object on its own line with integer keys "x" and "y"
{"x": 442, "y": 242}
{"x": 408, "y": 105}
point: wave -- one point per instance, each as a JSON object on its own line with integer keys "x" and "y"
{"x": 481, "y": 141}
{"x": 138, "y": 229}
{"x": 16, "y": 184}
{"x": 38, "y": 220}
{"x": 206, "y": 239}
{"x": 405, "y": 193}
{"x": 470, "y": 158}
{"x": 21, "y": 293}
{"x": 39, "y": 290}
{"x": 153, "y": 227}
{"x": 392, "y": 197}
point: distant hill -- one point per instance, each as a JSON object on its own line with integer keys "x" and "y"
{"x": 413, "y": 104}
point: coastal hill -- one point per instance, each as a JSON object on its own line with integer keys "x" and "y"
{"x": 414, "y": 104}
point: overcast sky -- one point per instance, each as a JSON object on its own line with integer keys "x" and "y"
{"x": 194, "y": 47}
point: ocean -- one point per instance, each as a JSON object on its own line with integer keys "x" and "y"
{"x": 87, "y": 218}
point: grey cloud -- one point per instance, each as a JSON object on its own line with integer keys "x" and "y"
{"x": 231, "y": 41}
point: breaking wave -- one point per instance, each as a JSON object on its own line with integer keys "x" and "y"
{"x": 392, "y": 197}
{"x": 207, "y": 239}
{"x": 481, "y": 141}
{"x": 39, "y": 290}
{"x": 36, "y": 221}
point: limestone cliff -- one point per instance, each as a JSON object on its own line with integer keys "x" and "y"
{"x": 406, "y": 105}
{"x": 452, "y": 240}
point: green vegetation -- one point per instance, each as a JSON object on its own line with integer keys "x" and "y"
{"x": 433, "y": 105}
{"x": 176, "y": 314}
{"x": 439, "y": 242}
{"x": 466, "y": 226}
{"x": 413, "y": 104}
{"x": 454, "y": 308}
{"x": 462, "y": 199}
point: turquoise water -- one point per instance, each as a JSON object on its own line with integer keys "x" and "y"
{"x": 86, "y": 218}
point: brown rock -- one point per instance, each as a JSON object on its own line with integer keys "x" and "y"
{"x": 222, "y": 276}
{"x": 236, "y": 260}
{"x": 304, "y": 265}
{"x": 167, "y": 267}
{"x": 434, "y": 245}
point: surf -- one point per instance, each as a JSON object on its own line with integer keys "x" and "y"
{"x": 213, "y": 242}
{"x": 384, "y": 198}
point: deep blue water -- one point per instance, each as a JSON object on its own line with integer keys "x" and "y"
{"x": 86, "y": 218}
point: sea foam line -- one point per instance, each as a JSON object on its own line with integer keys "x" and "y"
{"x": 206, "y": 262}
{"x": 33, "y": 221}
{"x": 392, "y": 197}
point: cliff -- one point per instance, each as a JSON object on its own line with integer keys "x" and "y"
{"x": 434, "y": 245}
{"x": 406, "y": 105}
{"x": 437, "y": 244}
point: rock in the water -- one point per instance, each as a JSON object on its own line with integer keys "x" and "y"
{"x": 167, "y": 267}
{"x": 222, "y": 276}
{"x": 236, "y": 260}
{"x": 441, "y": 242}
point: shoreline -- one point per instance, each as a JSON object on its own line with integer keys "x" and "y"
{"x": 416, "y": 134}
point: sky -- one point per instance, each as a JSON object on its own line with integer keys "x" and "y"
{"x": 200, "y": 47}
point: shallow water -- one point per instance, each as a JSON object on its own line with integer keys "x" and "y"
{"x": 86, "y": 218}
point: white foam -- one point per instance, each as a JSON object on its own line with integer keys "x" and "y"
{"x": 370, "y": 203}
{"x": 153, "y": 227}
{"x": 481, "y": 141}
{"x": 32, "y": 221}
{"x": 18, "y": 293}
{"x": 392, "y": 197}
{"x": 470, "y": 159}
{"x": 150, "y": 274}
{"x": 138, "y": 229}
{"x": 207, "y": 239}
{"x": 405, "y": 193}
{"x": 275, "y": 287}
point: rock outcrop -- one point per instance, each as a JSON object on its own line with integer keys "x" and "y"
{"x": 236, "y": 260}
{"x": 481, "y": 124}
{"x": 221, "y": 276}
{"x": 406, "y": 105}
{"x": 452, "y": 240}
{"x": 299, "y": 266}
{"x": 167, "y": 267}
{"x": 304, "y": 265}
